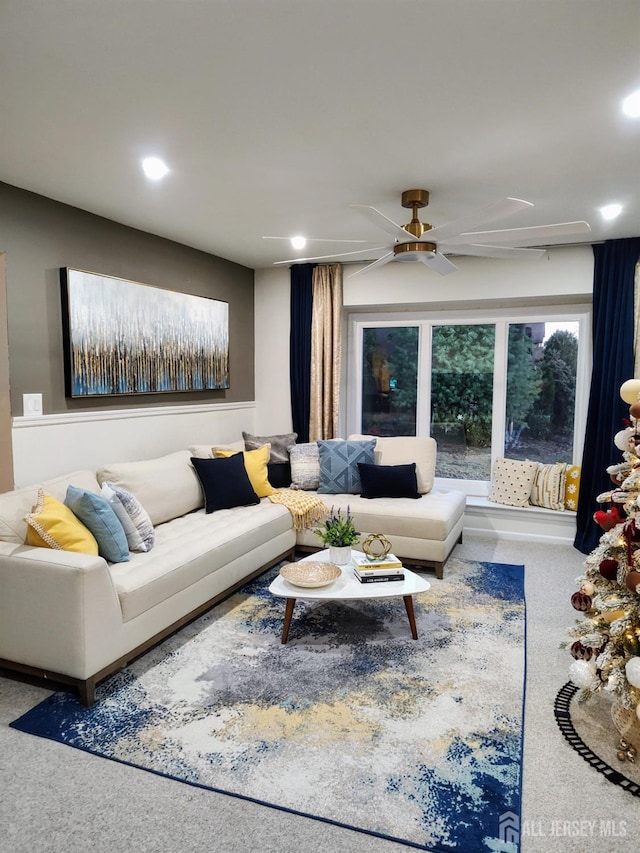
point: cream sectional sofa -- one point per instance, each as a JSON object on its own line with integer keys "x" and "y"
{"x": 74, "y": 618}
{"x": 421, "y": 531}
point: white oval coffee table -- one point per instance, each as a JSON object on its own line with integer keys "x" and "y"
{"x": 347, "y": 586}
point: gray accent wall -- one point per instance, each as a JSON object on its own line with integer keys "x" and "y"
{"x": 40, "y": 235}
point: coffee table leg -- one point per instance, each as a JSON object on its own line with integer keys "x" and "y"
{"x": 288, "y": 613}
{"x": 408, "y": 603}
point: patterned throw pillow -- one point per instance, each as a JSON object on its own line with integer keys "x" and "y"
{"x": 339, "y": 459}
{"x": 138, "y": 515}
{"x": 280, "y": 444}
{"x": 572, "y": 487}
{"x": 549, "y": 486}
{"x": 51, "y": 524}
{"x": 512, "y": 481}
{"x": 98, "y": 516}
{"x": 134, "y": 539}
{"x": 305, "y": 466}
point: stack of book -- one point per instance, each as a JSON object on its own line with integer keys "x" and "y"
{"x": 388, "y": 568}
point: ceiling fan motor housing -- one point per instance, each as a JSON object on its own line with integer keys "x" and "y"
{"x": 408, "y": 252}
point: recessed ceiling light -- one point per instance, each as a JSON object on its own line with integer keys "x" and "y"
{"x": 298, "y": 242}
{"x": 631, "y": 104}
{"x": 154, "y": 168}
{"x": 610, "y": 211}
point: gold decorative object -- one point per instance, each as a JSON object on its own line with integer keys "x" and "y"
{"x": 376, "y": 546}
{"x": 628, "y": 726}
{"x": 310, "y": 573}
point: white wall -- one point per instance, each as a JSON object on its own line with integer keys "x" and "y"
{"x": 272, "y": 325}
{"x": 566, "y": 276}
{"x": 44, "y": 447}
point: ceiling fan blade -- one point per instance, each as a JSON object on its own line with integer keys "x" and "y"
{"x": 493, "y": 251}
{"x": 535, "y": 235}
{"x": 497, "y": 210}
{"x": 325, "y": 257}
{"x": 319, "y": 240}
{"x": 380, "y": 262}
{"x": 383, "y": 222}
{"x": 438, "y": 263}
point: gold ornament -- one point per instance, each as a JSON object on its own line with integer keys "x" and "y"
{"x": 630, "y": 642}
{"x": 376, "y": 546}
{"x": 612, "y": 615}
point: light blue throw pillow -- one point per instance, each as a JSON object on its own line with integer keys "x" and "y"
{"x": 339, "y": 459}
{"x": 96, "y": 514}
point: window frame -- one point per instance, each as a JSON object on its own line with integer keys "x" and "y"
{"x": 425, "y": 320}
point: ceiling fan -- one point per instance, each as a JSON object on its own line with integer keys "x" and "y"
{"x": 421, "y": 242}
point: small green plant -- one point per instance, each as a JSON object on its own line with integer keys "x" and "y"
{"x": 338, "y": 530}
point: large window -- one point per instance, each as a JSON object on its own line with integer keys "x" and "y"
{"x": 508, "y": 385}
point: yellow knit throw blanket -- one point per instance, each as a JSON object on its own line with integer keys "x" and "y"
{"x": 305, "y": 508}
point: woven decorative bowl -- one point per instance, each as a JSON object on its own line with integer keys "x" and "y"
{"x": 311, "y": 573}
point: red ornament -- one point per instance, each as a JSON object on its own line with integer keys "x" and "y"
{"x": 581, "y": 601}
{"x": 607, "y": 519}
{"x": 632, "y": 581}
{"x": 609, "y": 569}
{"x": 580, "y": 652}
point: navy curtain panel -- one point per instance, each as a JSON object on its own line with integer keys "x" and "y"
{"x": 300, "y": 348}
{"x": 613, "y": 330}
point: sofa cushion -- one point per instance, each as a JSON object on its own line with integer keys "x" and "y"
{"x": 512, "y": 481}
{"x": 279, "y": 474}
{"x": 255, "y": 462}
{"x": 572, "y": 487}
{"x": 138, "y": 516}
{"x": 194, "y": 546}
{"x": 53, "y": 525}
{"x": 404, "y": 449}
{"x": 167, "y": 487}
{"x": 99, "y": 517}
{"x": 339, "y": 459}
{"x": 431, "y": 517}
{"x": 305, "y": 466}
{"x": 225, "y": 482}
{"x": 389, "y": 481}
{"x": 136, "y": 541}
{"x": 280, "y": 444}
{"x": 16, "y": 504}
{"x": 548, "y": 488}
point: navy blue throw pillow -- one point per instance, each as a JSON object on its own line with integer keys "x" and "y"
{"x": 225, "y": 482}
{"x": 388, "y": 481}
{"x": 279, "y": 474}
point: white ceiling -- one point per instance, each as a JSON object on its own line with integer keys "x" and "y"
{"x": 275, "y": 115}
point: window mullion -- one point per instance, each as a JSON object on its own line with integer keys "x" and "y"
{"x": 499, "y": 406}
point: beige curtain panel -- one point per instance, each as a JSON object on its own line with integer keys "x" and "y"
{"x": 326, "y": 352}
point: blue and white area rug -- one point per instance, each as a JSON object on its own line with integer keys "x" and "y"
{"x": 352, "y": 721}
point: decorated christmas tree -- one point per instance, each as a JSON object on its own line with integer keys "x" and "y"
{"x": 605, "y": 642}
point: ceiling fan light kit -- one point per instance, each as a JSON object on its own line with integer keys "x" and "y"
{"x": 420, "y": 242}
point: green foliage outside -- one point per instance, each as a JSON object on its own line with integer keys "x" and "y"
{"x": 541, "y": 378}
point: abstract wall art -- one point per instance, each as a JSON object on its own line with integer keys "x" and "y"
{"x": 123, "y": 337}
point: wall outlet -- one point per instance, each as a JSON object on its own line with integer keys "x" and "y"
{"x": 31, "y": 405}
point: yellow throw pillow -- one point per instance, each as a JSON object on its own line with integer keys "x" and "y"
{"x": 572, "y": 487}
{"x": 51, "y": 524}
{"x": 255, "y": 461}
